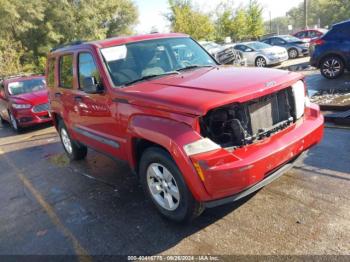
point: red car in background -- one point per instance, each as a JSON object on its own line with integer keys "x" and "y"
{"x": 310, "y": 35}
{"x": 24, "y": 101}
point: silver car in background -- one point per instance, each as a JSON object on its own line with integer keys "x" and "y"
{"x": 261, "y": 55}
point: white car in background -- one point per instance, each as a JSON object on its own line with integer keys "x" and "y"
{"x": 261, "y": 55}
{"x": 224, "y": 55}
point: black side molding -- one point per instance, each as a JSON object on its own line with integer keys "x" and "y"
{"x": 270, "y": 178}
{"x": 96, "y": 137}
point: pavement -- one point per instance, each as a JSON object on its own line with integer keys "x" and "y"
{"x": 50, "y": 206}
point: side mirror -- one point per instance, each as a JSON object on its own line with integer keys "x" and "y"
{"x": 90, "y": 86}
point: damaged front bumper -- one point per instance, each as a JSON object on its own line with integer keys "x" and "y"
{"x": 229, "y": 175}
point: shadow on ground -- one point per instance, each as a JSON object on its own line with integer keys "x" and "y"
{"x": 98, "y": 200}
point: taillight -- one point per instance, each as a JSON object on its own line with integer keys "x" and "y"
{"x": 317, "y": 42}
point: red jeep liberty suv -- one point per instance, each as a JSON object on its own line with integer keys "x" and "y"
{"x": 197, "y": 134}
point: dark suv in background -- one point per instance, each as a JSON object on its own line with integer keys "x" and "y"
{"x": 331, "y": 53}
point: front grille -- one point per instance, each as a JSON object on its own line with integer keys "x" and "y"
{"x": 242, "y": 124}
{"x": 41, "y": 108}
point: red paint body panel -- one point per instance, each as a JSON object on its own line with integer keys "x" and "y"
{"x": 166, "y": 110}
{"x": 33, "y": 99}
{"x": 228, "y": 173}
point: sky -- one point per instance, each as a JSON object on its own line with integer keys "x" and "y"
{"x": 151, "y": 12}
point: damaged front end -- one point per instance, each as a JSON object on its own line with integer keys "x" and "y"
{"x": 237, "y": 125}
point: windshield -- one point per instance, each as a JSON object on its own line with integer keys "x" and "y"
{"x": 26, "y": 86}
{"x": 290, "y": 39}
{"x": 141, "y": 60}
{"x": 258, "y": 45}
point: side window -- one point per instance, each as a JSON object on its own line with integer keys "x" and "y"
{"x": 267, "y": 41}
{"x": 51, "y": 73}
{"x": 66, "y": 71}
{"x": 87, "y": 68}
{"x": 278, "y": 41}
{"x": 2, "y": 90}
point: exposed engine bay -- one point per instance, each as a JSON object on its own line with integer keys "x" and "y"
{"x": 237, "y": 124}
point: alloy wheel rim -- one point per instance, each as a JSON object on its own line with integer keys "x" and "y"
{"x": 261, "y": 62}
{"x": 13, "y": 122}
{"x": 331, "y": 67}
{"x": 293, "y": 53}
{"x": 163, "y": 187}
{"x": 66, "y": 141}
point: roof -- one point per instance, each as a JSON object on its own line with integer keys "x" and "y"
{"x": 342, "y": 23}
{"x": 116, "y": 41}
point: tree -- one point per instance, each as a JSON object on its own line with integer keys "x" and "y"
{"x": 255, "y": 21}
{"x": 321, "y": 13}
{"x": 240, "y": 28}
{"x": 184, "y": 18}
{"x": 35, "y": 26}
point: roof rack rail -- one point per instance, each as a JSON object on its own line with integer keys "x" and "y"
{"x": 18, "y": 75}
{"x": 77, "y": 42}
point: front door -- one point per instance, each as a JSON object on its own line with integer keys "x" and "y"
{"x": 96, "y": 121}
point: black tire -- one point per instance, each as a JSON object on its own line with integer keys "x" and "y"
{"x": 260, "y": 62}
{"x": 1, "y": 120}
{"x": 14, "y": 123}
{"x": 187, "y": 208}
{"x": 77, "y": 150}
{"x": 293, "y": 53}
{"x": 332, "y": 67}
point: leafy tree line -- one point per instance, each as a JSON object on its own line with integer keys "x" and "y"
{"x": 245, "y": 22}
{"x": 30, "y": 28}
{"x": 323, "y": 13}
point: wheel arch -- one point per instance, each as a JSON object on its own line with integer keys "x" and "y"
{"x": 150, "y": 131}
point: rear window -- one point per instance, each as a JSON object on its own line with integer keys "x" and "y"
{"x": 51, "y": 73}
{"x": 66, "y": 71}
{"x": 339, "y": 32}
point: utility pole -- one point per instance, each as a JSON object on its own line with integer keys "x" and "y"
{"x": 305, "y": 14}
{"x": 270, "y": 23}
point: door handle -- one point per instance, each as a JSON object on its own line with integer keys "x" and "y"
{"x": 78, "y": 99}
{"x": 58, "y": 95}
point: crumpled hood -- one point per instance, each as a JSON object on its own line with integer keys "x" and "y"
{"x": 196, "y": 92}
{"x": 35, "y": 98}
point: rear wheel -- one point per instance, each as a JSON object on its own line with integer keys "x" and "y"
{"x": 292, "y": 53}
{"x": 74, "y": 149}
{"x": 260, "y": 62}
{"x": 165, "y": 186}
{"x": 332, "y": 67}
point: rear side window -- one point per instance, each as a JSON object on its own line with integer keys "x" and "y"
{"x": 51, "y": 73}
{"x": 66, "y": 71}
{"x": 87, "y": 68}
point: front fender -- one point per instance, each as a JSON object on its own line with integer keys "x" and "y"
{"x": 172, "y": 136}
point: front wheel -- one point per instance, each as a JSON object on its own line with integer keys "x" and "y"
{"x": 332, "y": 67}
{"x": 260, "y": 62}
{"x": 14, "y": 123}
{"x": 74, "y": 149}
{"x": 292, "y": 53}
{"x": 165, "y": 186}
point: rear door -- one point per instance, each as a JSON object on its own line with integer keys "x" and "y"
{"x": 64, "y": 93}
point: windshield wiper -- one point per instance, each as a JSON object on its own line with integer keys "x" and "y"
{"x": 193, "y": 66}
{"x": 147, "y": 77}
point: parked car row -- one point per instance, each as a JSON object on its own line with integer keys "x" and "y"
{"x": 269, "y": 51}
